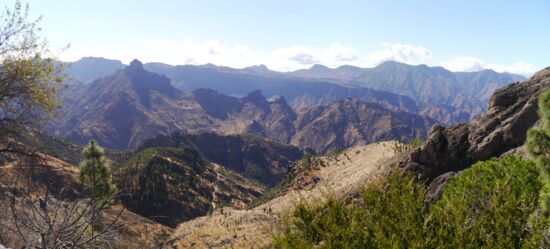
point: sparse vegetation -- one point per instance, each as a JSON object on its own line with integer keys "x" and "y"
{"x": 334, "y": 153}
{"x": 414, "y": 144}
{"x": 157, "y": 183}
{"x": 297, "y": 169}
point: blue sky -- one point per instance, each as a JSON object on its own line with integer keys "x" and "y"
{"x": 286, "y": 35}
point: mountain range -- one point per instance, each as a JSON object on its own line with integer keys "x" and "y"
{"x": 198, "y": 162}
{"x": 125, "y": 108}
{"x": 449, "y": 97}
{"x": 501, "y": 131}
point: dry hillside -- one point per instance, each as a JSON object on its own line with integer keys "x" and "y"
{"x": 341, "y": 175}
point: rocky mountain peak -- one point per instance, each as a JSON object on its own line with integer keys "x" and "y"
{"x": 255, "y": 97}
{"x": 135, "y": 66}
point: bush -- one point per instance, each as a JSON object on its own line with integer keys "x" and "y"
{"x": 538, "y": 145}
{"x": 490, "y": 205}
{"x": 391, "y": 217}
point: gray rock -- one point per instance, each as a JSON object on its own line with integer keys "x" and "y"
{"x": 512, "y": 110}
{"x": 435, "y": 189}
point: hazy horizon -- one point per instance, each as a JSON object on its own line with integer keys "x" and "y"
{"x": 274, "y": 70}
{"x": 286, "y": 36}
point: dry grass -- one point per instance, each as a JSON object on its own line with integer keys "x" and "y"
{"x": 232, "y": 228}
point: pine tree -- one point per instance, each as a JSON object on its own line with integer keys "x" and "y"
{"x": 95, "y": 174}
{"x": 538, "y": 145}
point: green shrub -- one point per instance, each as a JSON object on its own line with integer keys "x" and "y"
{"x": 538, "y": 145}
{"x": 489, "y": 205}
{"x": 391, "y": 217}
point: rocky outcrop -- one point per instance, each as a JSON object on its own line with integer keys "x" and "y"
{"x": 512, "y": 110}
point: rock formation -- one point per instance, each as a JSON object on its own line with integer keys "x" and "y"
{"x": 512, "y": 110}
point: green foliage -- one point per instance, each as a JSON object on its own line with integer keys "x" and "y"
{"x": 391, "y": 216}
{"x": 29, "y": 77}
{"x": 489, "y": 205}
{"x": 538, "y": 145}
{"x": 95, "y": 175}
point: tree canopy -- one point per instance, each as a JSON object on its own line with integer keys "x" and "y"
{"x": 29, "y": 76}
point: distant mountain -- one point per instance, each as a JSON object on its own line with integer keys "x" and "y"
{"x": 121, "y": 109}
{"x": 328, "y": 74}
{"x": 457, "y": 95}
{"x": 467, "y": 91}
{"x": 448, "y": 97}
{"x": 124, "y": 109}
{"x": 298, "y": 92}
{"x": 88, "y": 69}
{"x": 261, "y": 69}
{"x": 351, "y": 122}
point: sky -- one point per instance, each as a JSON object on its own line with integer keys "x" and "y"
{"x": 503, "y": 35}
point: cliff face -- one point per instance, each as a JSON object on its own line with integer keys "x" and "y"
{"x": 512, "y": 110}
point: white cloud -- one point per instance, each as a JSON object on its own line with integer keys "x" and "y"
{"x": 297, "y": 57}
{"x": 470, "y": 64}
{"x": 405, "y": 53}
{"x": 338, "y": 52}
{"x": 188, "y": 51}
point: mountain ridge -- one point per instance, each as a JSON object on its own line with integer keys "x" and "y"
{"x": 458, "y": 95}
{"x": 124, "y": 109}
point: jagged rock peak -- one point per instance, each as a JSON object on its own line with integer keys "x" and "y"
{"x": 255, "y": 97}
{"x": 136, "y": 65}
